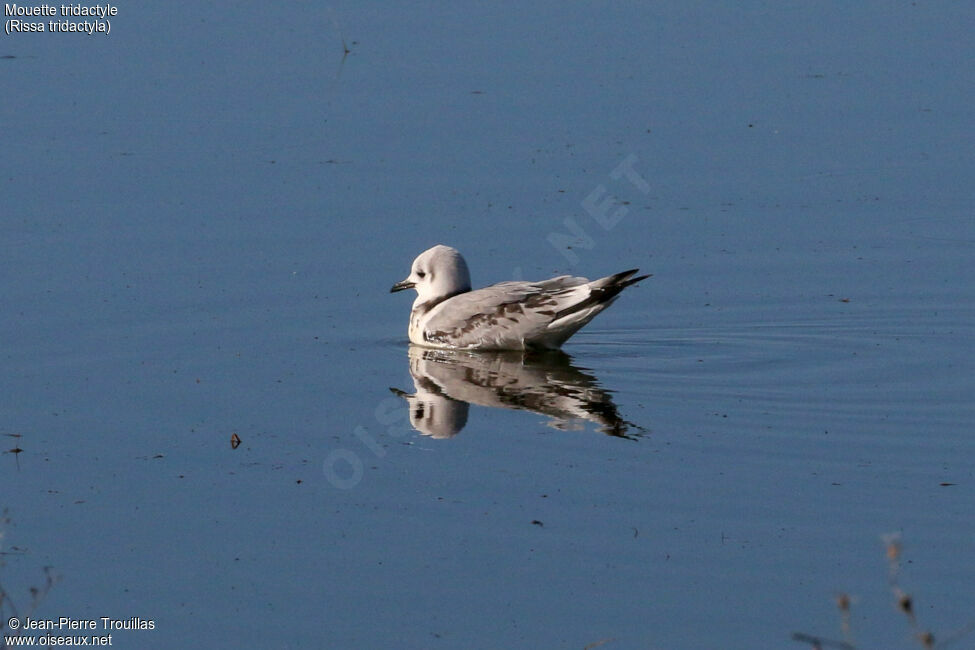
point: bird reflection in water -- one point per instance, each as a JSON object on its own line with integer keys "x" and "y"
{"x": 447, "y": 382}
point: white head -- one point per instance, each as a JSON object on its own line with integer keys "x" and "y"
{"x": 437, "y": 273}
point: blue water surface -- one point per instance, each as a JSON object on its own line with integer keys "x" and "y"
{"x": 203, "y": 212}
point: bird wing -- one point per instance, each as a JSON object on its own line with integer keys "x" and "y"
{"x": 519, "y": 315}
{"x": 505, "y": 315}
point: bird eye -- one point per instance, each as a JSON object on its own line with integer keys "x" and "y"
{"x": 421, "y": 274}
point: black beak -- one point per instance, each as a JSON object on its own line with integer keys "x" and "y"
{"x": 400, "y": 286}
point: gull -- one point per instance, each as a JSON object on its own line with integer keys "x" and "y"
{"x": 505, "y": 316}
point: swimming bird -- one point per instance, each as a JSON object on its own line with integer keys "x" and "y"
{"x": 505, "y": 316}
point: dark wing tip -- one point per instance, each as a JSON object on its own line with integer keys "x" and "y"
{"x": 606, "y": 290}
{"x": 623, "y": 279}
{"x": 637, "y": 279}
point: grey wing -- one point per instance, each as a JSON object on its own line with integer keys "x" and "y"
{"x": 559, "y": 283}
{"x": 504, "y": 315}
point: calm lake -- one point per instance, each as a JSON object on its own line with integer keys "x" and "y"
{"x": 211, "y": 418}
